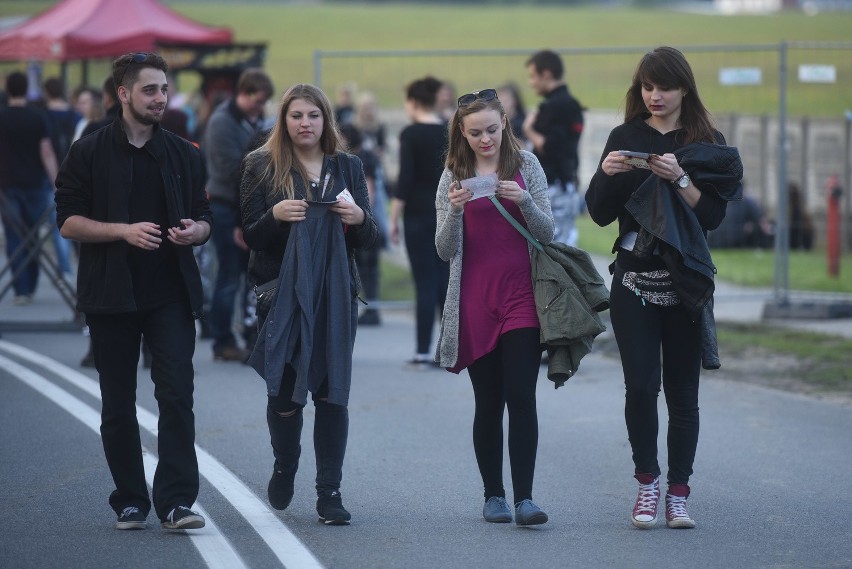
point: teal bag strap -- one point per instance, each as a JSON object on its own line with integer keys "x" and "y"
{"x": 521, "y": 229}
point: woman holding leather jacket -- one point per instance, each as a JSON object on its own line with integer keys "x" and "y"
{"x": 661, "y": 293}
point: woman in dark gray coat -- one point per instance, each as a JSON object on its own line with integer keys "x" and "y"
{"x": 299, "y": 191}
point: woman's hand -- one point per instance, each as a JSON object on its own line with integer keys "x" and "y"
{"x": 350, "y": 213}
{"x": 510, "y": 190}
{"x": 458, "y": 196}
{"x": 665, "y": 166}
{"x": 615, "y": 163}
{"x": 290, "y": 211}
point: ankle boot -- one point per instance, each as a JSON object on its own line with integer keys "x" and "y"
{"x": 285, "y": 434}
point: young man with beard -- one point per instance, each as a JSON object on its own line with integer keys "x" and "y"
{"x": 133, "y": 195}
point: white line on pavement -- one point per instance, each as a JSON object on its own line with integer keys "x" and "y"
{"x": 284, "y": 544}
{"x": 215, "y": 549}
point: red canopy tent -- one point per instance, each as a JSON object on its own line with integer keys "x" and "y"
{"x": 91, "y": 29}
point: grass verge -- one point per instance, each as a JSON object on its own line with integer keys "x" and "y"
{"x": 788, "y": 359}
{"x": 808, "y": 270}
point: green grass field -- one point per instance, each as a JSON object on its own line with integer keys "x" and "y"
{"x": 295, "y": 32}
{"x": 808, "y": 270}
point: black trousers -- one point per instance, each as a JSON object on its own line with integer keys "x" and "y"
{"x": 170, "y": 334}
{"x": 505, "y": 378}
{"x": 331, "y": 433}
{"x": 430, "y": 275}
{"x": 645, "y": 335}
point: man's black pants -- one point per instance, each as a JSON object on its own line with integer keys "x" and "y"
{"x": 170, "y": 334}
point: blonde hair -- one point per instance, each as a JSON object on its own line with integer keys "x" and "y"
{"x": 278, "y": 148}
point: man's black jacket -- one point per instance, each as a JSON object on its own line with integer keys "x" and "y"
{"x": 94, "y": 181}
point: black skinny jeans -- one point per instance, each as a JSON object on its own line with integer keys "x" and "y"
{"x": 429, "y": 272}
{"x": 331, "y": 431}
{"x": 506, "y": 378}
{"x": 170, "y": 335}
{"x": 641, "y": 331}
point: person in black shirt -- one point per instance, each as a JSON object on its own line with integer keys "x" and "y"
{"x": 133, "y": 194}
{"x": 659, "y": 338}
{"x": 27, "y": 172}
{"x": 422, "y": 147}
{"x": 554, "y": 131}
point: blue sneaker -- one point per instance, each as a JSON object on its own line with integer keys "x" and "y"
{"x": 528, "y": 514}
{"x": 496, "y": 510}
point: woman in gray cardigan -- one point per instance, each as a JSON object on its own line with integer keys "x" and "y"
{"x": 490, "y": 325}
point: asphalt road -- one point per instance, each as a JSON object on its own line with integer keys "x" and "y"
{"x": 770, "y": 486}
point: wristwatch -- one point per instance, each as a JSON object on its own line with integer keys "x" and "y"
{"x": 683, "y": 181}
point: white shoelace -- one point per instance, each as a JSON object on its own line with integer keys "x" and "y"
{"x": 676, "y": 507}
{"x": 649, "y": 497}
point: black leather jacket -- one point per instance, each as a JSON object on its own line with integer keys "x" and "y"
{"x": 267, "y": 238}
{"x": 670, "y": 226}
{"x": 94, "y": 181}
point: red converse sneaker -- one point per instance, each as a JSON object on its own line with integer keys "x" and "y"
{"x": 645, "y": 510}
{"x": 676, "y": 514}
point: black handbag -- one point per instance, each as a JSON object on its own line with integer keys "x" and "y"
{"x": 265, "y": 295}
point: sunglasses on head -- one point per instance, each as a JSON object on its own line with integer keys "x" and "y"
{"x": 483, "y": 95}
{"x": 130, "y": 59}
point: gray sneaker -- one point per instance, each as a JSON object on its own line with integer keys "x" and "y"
{"x": 528, "y": 514}
{"x": 496, "y": 510}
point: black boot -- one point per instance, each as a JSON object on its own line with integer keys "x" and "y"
{"x": 331, "y": 431}
{"x": 285, "y": 434}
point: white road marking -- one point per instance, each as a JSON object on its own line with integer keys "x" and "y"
{"x": 284, "y": 544}
{"x": 215, "y": 549}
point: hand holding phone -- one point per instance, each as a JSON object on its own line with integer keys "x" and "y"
{"x": 637, "y": 159}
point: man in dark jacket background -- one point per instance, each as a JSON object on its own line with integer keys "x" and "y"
{"x": 554, "y": 131}
{"x": 133, "y": 195}
{"x": 226, "y": 138}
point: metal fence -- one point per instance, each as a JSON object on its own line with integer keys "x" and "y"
{"x": 787, "y": 106}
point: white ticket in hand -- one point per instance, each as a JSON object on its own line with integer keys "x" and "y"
{"x": 346, "y": 196}
{"x": 481, "y": 186}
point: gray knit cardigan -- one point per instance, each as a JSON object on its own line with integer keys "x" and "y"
{"x": 535, "y": 208}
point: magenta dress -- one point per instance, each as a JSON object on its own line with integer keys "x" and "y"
{"x": 496, "y": 280}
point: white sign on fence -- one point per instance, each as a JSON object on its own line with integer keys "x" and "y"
{"x": 817, "y": 74}
{"x": 740, "y": 76}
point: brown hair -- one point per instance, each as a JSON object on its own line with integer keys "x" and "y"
{"x": 461, "y": 160}
{"x": 667, "y": 67}
{"x": 255, "y": 80}
{"x": 125, "y": 69}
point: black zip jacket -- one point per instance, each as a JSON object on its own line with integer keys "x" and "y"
{"x": 95, "y": 180}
